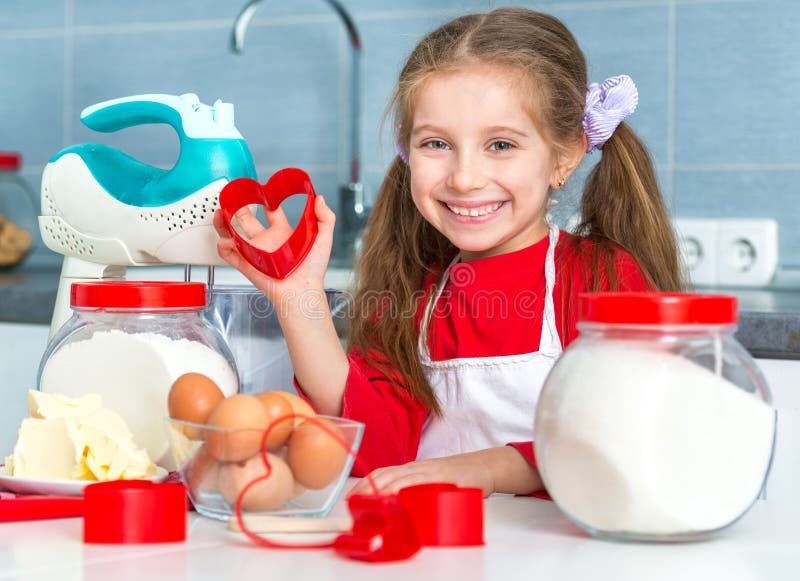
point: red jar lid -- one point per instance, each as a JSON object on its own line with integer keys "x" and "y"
{"x": 122, "y": 294}
{"x": 628, "y": 308}
{"x": 10, "y": 160}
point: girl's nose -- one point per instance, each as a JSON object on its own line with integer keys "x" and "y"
{"x": 466, "y": 173}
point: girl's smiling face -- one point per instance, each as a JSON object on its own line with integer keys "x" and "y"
{"x": 480, "y": 169}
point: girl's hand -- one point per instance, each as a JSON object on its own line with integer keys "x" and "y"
{"x": 465, "y": 470}
{"x": 310, "y": 273}
{"x": 502, "y": 469}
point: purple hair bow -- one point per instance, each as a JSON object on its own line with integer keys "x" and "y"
{"x": 606, "y": 106}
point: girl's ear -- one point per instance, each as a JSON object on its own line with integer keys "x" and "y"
{"x": 567, "y": 160}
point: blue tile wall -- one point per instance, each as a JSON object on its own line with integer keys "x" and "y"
{"x": 718, "y": 82}
{"x": 24, "y": 15}
{"x": 32, "y": 102}
{"x": 736, "y": 110}
{"x": 139, "y": 12}
{"x": 736, "y": 116}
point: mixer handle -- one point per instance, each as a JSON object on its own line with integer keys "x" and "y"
{"x": 186, "y": 114}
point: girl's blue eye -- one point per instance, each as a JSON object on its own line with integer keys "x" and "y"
{"x": 436, "y": 144}
{"x": 501, "y": 146}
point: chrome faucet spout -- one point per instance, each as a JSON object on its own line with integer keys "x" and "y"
{"x": 240, "y": 26}
{"x": 355, "y": 88}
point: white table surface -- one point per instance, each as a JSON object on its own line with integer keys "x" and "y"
{"x": 525, "y": 538}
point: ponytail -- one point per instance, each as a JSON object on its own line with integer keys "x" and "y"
{"x": 622, "y": 204}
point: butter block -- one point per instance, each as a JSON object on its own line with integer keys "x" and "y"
{"x": 45, "y": 450}
{"x": 109, "y": 450}
{"x": 76, "y": 439}
{"x": 49, "y": 406}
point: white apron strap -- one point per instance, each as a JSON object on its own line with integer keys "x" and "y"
{"x": 549, "y": 342}
{"x": 422, "y": 340}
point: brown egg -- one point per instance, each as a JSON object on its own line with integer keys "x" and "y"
{"x": 191, "y": 398}
{"x": 202, "y": 473}
{"x": 276, "y": 406}
{"x": 315, "y": 456}
{"x": 299, "y": 406}
{"x": 244, "y": 420}
{"x": 268, "y": 494}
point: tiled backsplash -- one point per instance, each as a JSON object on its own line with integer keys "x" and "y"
{"x": 718, "y": 82}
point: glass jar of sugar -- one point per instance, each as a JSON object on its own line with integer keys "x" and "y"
{"x": 129, "y": 341}
{"x": 655, "y": 424}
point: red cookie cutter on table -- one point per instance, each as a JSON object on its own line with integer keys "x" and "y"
{"x": 391, "y": 528}
{"x": 287, "y": 182}
{"x": 134, "y": 511}
{"x": 382, "y": 530}
{"x": 445, "y": 515}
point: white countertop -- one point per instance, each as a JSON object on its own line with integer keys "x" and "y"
{"x": 525, "y": 538}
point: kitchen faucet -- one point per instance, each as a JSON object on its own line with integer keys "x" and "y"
{"x": 353, "y": 212}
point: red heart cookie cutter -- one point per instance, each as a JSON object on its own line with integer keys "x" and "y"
{"x": 287, "y": 182}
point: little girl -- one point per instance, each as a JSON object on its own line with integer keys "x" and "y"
{"x": 466, "y": 294}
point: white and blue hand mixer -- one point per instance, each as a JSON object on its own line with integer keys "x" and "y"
{"x": 105, "y": 210}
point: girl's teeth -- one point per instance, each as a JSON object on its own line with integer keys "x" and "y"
{"x": 473, "y": 212}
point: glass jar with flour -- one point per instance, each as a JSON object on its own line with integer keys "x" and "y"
{"x": 655, "y": 424}
{"x": 129, "y": 341}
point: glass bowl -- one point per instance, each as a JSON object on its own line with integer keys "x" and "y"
{"x": 293, "y": 470}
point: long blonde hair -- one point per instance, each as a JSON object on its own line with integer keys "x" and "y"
{"x": 621, "y": 203}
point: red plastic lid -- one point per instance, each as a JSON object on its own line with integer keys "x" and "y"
{"x": 10, "y": 160}
{"x": 445, "y": 515}
{"x": 134, "y": 511}
{"x": 628, "y": 308}
{"x": 122, "y": 294}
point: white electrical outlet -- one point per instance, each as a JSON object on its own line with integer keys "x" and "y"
{"x": 728, "y": 252}
{"x": 697, "y": 242}
{"x": 747, "y": 252}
